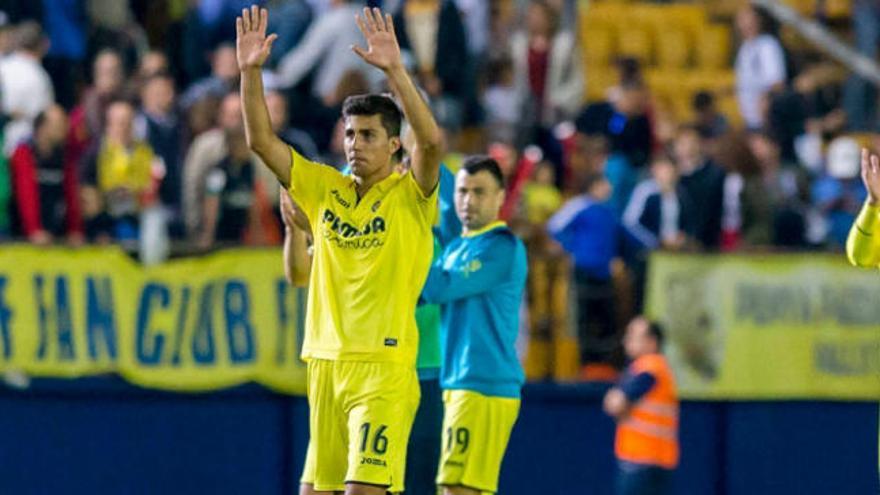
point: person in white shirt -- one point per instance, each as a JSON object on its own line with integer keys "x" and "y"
{"x": 326, "y": 47}
{"x": 25, "y": 85}
{"x": 760, "y": 66}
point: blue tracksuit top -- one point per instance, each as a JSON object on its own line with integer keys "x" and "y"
{"x": 479, "y": 281}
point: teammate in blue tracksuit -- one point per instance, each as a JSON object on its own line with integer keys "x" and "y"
{"x": 479, "y": 281}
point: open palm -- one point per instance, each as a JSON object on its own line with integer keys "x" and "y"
{"x": 382, "y": 51}
{"x": 871, "y": 175}
{"x": 251, "y": 43}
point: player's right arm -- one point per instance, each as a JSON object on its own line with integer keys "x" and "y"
{"x": 863, "y": 244}
{"x": 252, "y": 48}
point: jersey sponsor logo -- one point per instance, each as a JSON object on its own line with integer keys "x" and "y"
{"x": 340, "y": 200}
{"x": 373, "y": 461}
{"x": 348, "y": 236}
{"x": 389, "y": 342}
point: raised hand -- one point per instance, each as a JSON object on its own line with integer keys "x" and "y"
{"x": 871, "y": 175}
{"x": 251, "y": 43}
{"x": 382, "y": 51}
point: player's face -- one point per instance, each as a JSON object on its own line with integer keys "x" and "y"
{"x": 478, "y": 199}
{"x": 368, "y": 149}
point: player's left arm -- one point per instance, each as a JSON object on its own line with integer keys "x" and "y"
{"x": 484, "y": 272}
{"x": 383, "y": 52}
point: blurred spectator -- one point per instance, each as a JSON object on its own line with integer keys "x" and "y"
{"x": 541, "y": 198}
{"x": 625, "y": 123}
{"x": 770, "y": 199}
{"x": 87, "y": 118}
{"x": 289, "y": 20}
{"x": 113, "y": 25}
{"x": 803, "y": 108}
{"x": 547, "y": 69}
{"x": 66, "y": 24}
{"x": 703, "y": 182}
{"x": 760, "y": 65}
{"x": 46, "y": 192}
{"x": 860, "y": 96}
{"x": 660, "y": 213}
{"x": 710, "y": 122}
{"x": 6, "y": 206}
{"x": 25, "y": 85}
{"x": 230, "y": 203}
{"x": 277, "y": 106}
{"x": 839, "y": 194}
{"x": 118, "y": 178}
{"x": 223, "y": 79}
{"x": 7, "y": 39}
{"x": 588, "y": 229}
{"x": 204, "y": 153}
{"x": 326, "y": 50}
{"x": 161, "y": 128}
{"x": 433, "y": 33}
{"x": 501, "y": 102}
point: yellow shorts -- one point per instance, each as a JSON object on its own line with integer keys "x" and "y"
{"x": 476, "y": 429}
{"x": 360, "y": 416}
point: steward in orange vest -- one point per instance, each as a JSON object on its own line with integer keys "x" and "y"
{"x": 645, "y": 405}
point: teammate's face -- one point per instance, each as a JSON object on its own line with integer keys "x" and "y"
{"x": 368, "y": 149}
{"x": 478, "y": 199}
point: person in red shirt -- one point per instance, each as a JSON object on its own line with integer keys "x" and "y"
{"x": 45, "y": 184}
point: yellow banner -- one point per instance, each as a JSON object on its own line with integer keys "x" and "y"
{"x": 193, "y": 325}
{"x": 769, "y": 326}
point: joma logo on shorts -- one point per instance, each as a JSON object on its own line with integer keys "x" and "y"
{"x": 373, "y": 461}
{"x": 346, "y": 230}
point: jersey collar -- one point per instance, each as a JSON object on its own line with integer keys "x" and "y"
{"x": 497, "y": 224}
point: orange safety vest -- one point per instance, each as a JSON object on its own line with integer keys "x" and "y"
{"x": 649, "y": 433}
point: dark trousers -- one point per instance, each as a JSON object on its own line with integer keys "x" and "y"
{"x": 638, "y": 479}
{"x": 423, "y": 450}
{"x": 597, "y": 335}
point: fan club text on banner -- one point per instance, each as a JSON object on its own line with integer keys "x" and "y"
{"x": 769, "y": 326}
{"x": 196, "y": 324}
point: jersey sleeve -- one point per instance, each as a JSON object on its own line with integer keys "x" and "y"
{"x": 862, "y": 244}
{"x": 310, "y": 181}
{"x": 425, "y": 206}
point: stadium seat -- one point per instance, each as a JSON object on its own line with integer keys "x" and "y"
{"x": 838, "y": 9}
{"x": 598, "y": 79}
{"x": 597, "y": 43}
{"x": 635, "y": 42}
{"x": 673, "y": 51}
{"x": 713, "y": 47}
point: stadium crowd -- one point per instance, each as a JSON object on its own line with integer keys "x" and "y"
{"x": 122, "y": 124}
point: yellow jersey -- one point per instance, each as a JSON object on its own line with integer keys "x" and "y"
{"x": 371, "y": 259}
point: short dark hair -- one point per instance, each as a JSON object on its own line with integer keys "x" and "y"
{"x": 479, "y": 163}
{"x": 383, "y": 106}
{"x": 372, "y": 104}
{"x": 656, "y": 330}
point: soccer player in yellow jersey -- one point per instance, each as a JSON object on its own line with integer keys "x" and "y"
{"x": 372, "y": 252}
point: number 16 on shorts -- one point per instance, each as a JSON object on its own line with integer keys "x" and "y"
{"x": 374, "y": 444}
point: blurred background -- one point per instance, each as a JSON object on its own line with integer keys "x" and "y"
{"x": 148, "y": 338}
